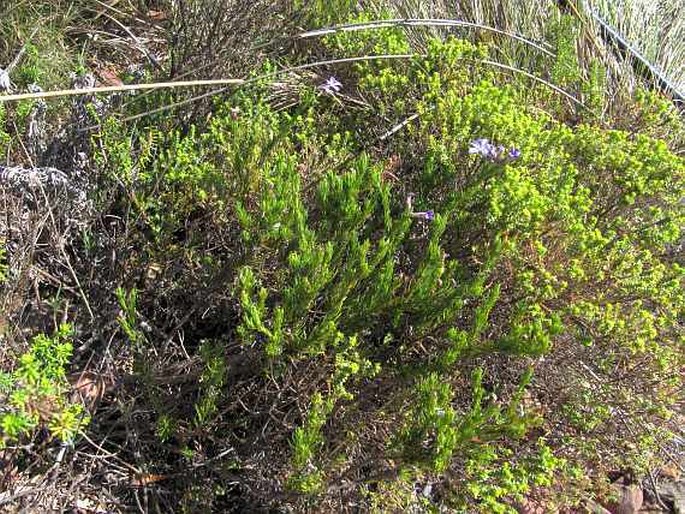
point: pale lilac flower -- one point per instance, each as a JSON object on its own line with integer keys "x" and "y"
{"x": 497, "y": 154}
{"x": 331, "y": 86}
{"x": 482, "y": 147}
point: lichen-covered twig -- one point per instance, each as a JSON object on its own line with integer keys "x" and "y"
{"x": 24, "y": 180}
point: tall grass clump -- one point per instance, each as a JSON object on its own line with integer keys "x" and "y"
{"x": 655, "y": 29}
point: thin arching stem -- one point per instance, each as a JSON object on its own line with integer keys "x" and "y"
{"x": 419, "y": 22}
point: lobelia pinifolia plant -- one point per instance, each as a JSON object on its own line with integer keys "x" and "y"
{"x": 446, "y": 332}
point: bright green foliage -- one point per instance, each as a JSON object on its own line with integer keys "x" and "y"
{"x": 384, "y": 41}
{"x": 307, "y": 439}
{"x": 323, "y": 12}
{"x": 36, "y": 392}
{"x": 435, "y": 419}
{"x": 165, "y": 428}
{"x": 531, "y": 332}
{"x": 47, "y": 59}
{"x": 656, "y": 116}
{"x": 494, "y": 478}
{"x": 211, "y": 381}
{"x": 433, "y": 423}
{"x": 593, "y": 89}
{"x": 128, "y": 318}
{"x": 563, "y": 32}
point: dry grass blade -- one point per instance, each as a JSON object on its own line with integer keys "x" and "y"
{"x": 537, "y": 79}
{"x": 118, "y": 89}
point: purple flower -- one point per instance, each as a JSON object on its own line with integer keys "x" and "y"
{"x": 482, "y": 147}
{"x": 331, "y": 86}
{"x": 487, "y": 150}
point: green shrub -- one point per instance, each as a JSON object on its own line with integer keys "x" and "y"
{"x": 422, "y": 260}
{"x": 493, "y": 480}
{"x": 36, "y": 392}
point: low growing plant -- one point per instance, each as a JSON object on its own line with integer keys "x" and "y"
{"x": 36, "y": 393}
